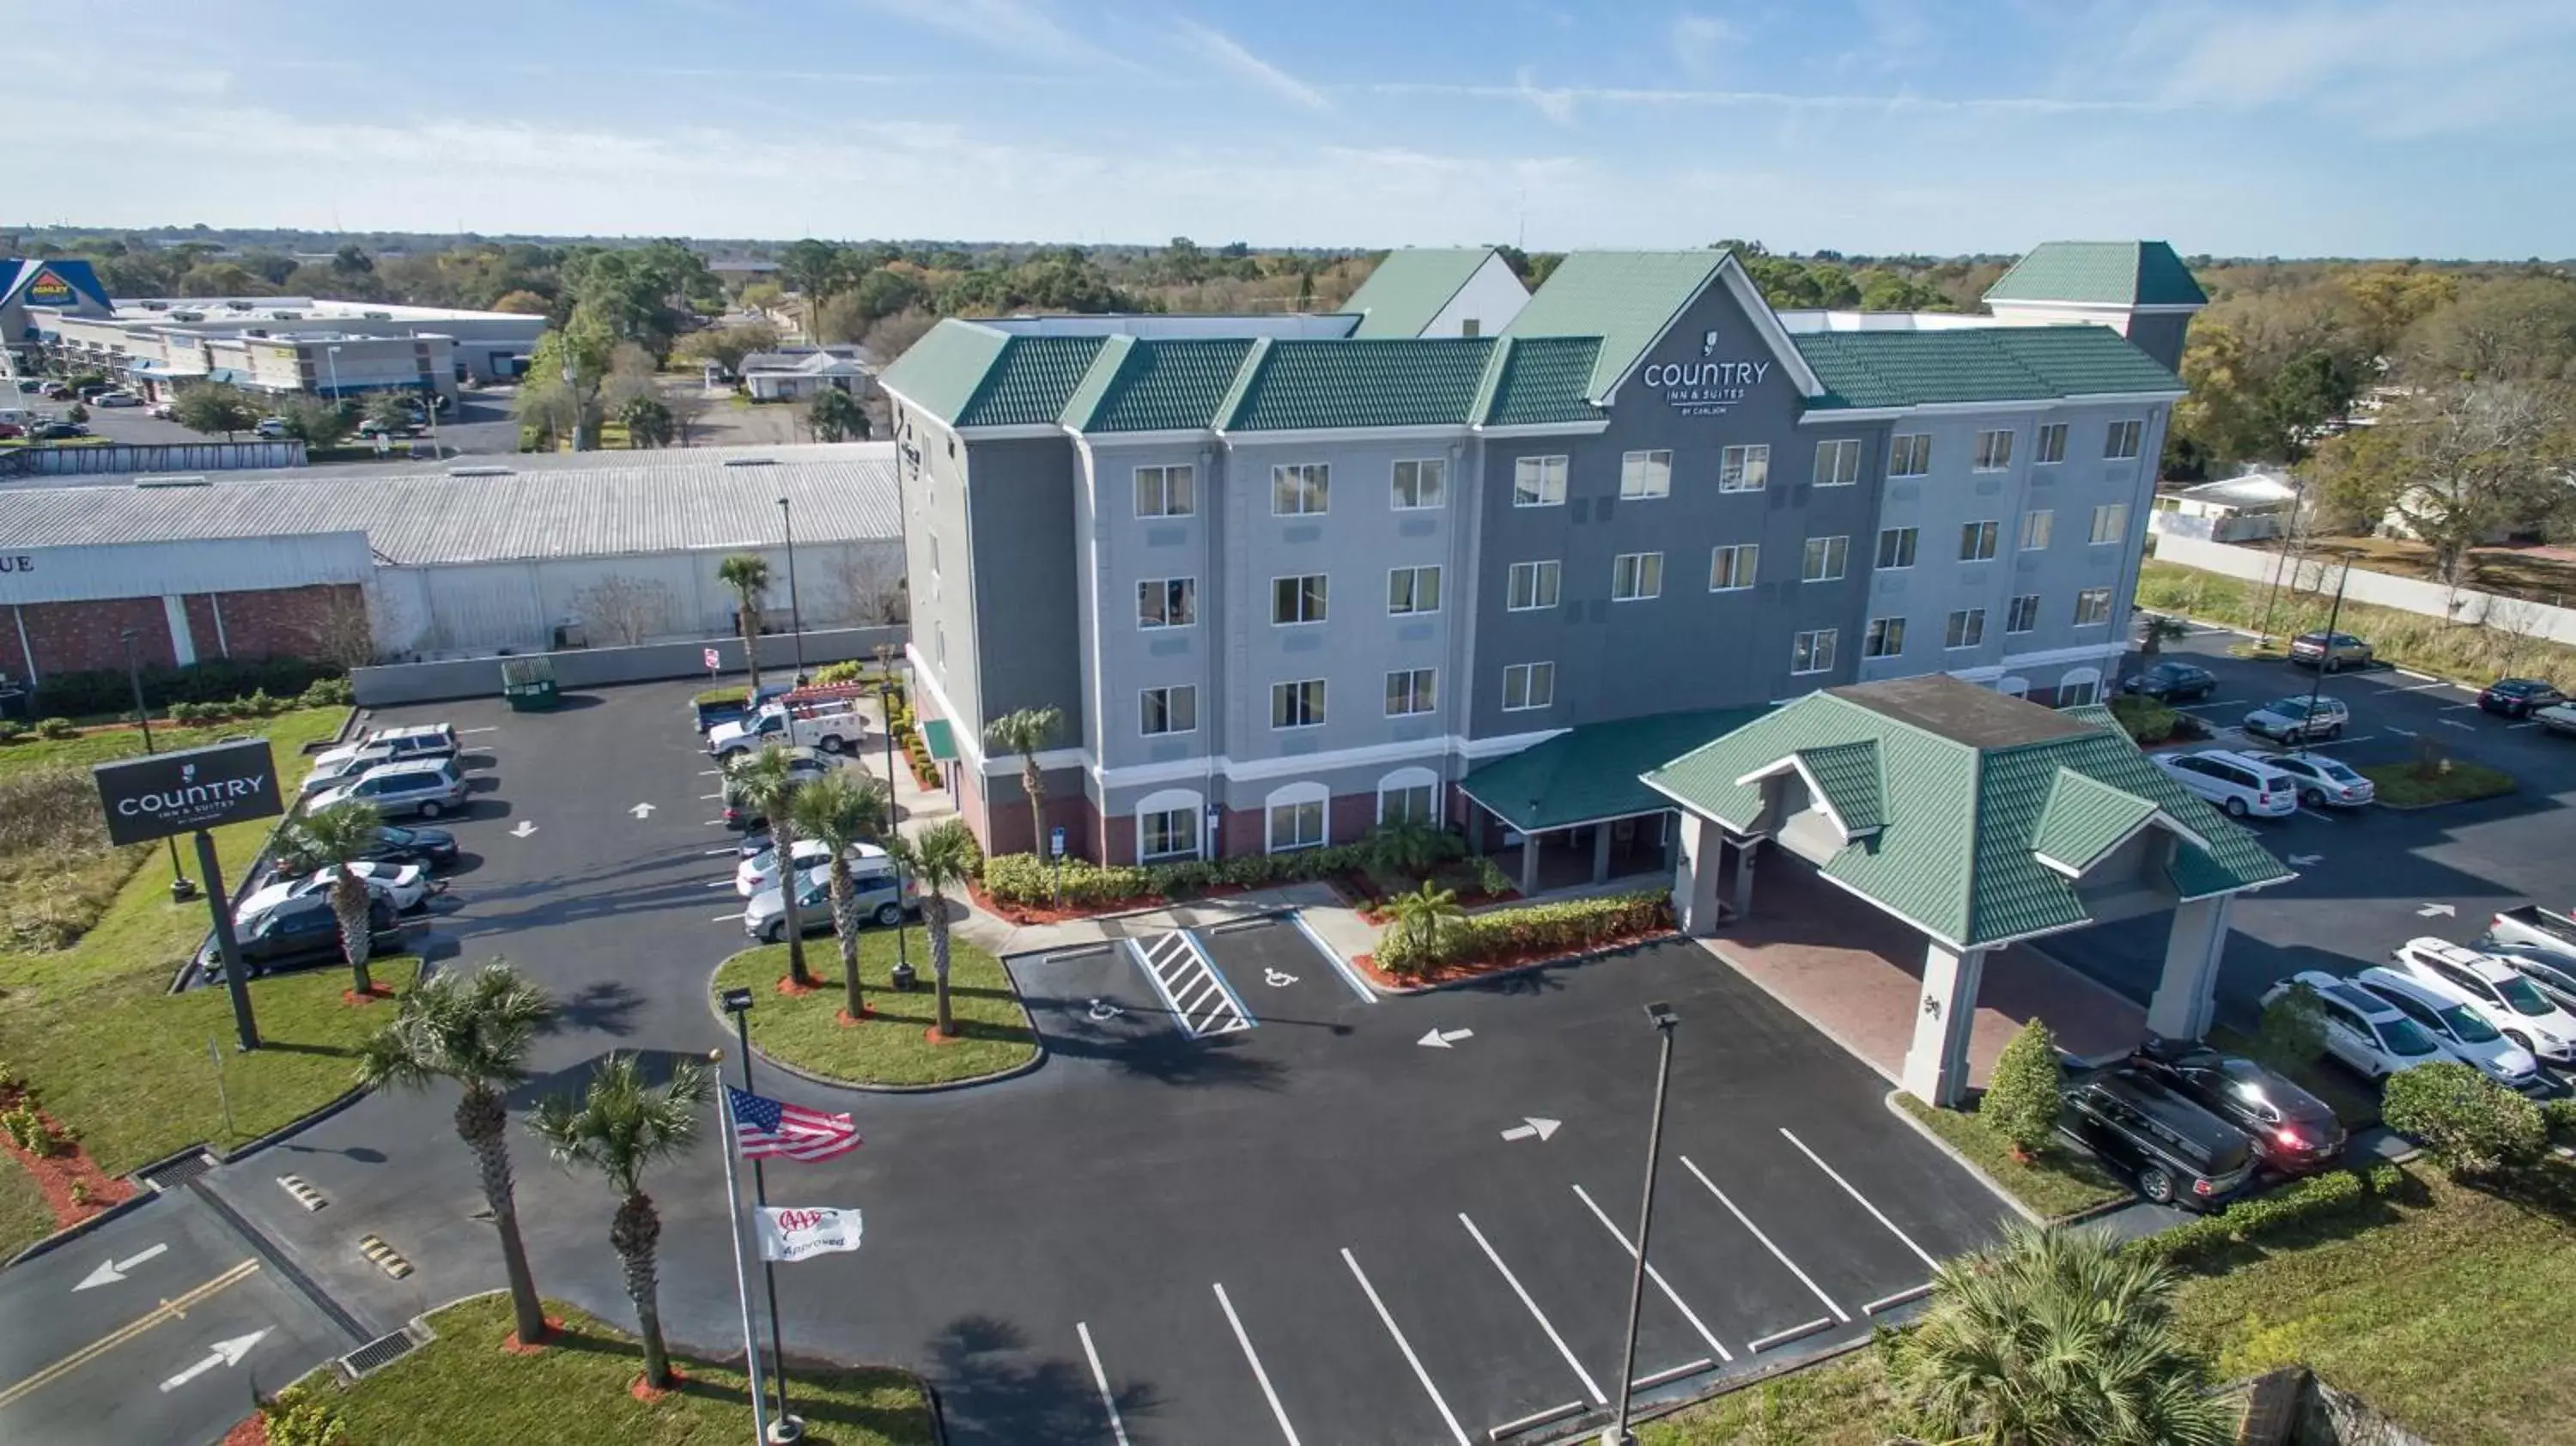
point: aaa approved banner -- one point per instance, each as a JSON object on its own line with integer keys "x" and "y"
{"x": 800, "y": 1232}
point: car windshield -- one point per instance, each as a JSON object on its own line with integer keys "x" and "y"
{"x": 2466, "y": 1027}
{"x": 2406, "y": 1039}
{"x": 396, "y": 836}
{"x": 2333, "y": 770}
{"x": 2289, "y": 708}
{"x": 2525, "y": 999}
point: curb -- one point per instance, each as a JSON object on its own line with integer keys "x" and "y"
{"x": 1406, "y": 991}
{"x": 2442, "y": 802}
{"x": 2019, "y": 1207}
{"x": 73, "y": 1232}
{"x": 1027, "y": 1066}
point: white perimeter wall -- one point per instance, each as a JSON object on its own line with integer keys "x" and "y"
{"x": 1491, "y": 297}
{"x": 2466, "y": 606}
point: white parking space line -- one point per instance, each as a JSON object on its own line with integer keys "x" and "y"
{"x": 1258, "y": 1373}
{"x": 2339, "y": 742}
{"x": 2219, "y": 703}
{"x": 2532, "y": 724}
{"x": 734, "y": 917}
{"x": 1673, "y": 1373}
{"x": 709, "y": 797}
{"x": 1341, "y": 966}
{"x": 1190, "y": 985}
{"x": 2411, "y": 673}
{"x": 1657, "y": 1277}
{"x": 2312, "y": 813}
{"x": 1553, "y": 1338}
{"x": 485, "y": 729}
{"x": 1919, "y": 1251}
{"x": 719, "y": 883}
{"x": 2427, "y": 686}
{"x": 1776, "y": 1252}
{"x": 1406, "y": 1346}
{"x": 1100, "y": 1378}
{"x": 711, "y": 853}
{"x": 710, "y": 773}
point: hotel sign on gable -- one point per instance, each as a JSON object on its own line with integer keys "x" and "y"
{"x": 1705, "y": 388}
{"x": 49, "y": 290}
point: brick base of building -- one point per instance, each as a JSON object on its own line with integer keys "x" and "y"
{"x": 37, "y": 639}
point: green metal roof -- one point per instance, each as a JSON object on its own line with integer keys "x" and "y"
{"x": 1031, "y": 381}
{"x": 1408, "y": 289}
{"x": 1534, "y": 380}
{"x": 2102, "y": 273}
{"x": 1299, "y": 385}
{"x": 1978, "y": 364}
{"x": 1964, "y": 821}
{"x": 1592, "y": 771}
{"x": 941, "y": 372}
{"x": 1156, "y": 385}
{"x": 1847, "y": 774}
{"x": 1626, "y": 298}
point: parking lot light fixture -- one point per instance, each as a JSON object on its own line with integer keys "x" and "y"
{"x": 795, "y": 613}
{"x": 1664, "y": 1019}
{"x": 181, "y": 889}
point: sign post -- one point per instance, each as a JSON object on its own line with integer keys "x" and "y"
{"x": 1055, "y": 851}
{"x": 163, "y": 795}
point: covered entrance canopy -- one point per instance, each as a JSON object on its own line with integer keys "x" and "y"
{"x": 1589, "y": 780}
{"x": 1976, "y": 820}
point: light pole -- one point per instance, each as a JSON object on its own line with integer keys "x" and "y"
{"x": 1664, "y": 1020}
{"x": 786, "y": 1428}
{"x": 2326, "y": 659}
{"x": 795, "y": 616}
{"x": 903, "y": 976}
{"x": 331, "y": 359}
{"x": 180, "y": 888}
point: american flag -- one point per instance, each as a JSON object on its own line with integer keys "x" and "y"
{"x": 765, "y": 1127}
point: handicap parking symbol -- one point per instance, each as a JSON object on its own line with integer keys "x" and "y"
{"x": 1277, "y": 978}
{"x": 1102, "y": 1011}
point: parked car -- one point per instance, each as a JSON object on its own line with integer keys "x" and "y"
{"x": 402, "y": 887}
{"x": 2179, "y": 1153}
{"x": 60, "y": 394}
{"x": 835, "y": 726}
{"x": 805, "y": 763}
{"x": 2172, "y": 682}
{"x": 2239, "y": 783}
{"x": 879, "y": 899}
{"x": 2552, "y": 974}
{"x": 425, "y": 786}
{"x": 2325, "y": 782}
{"x": 116, "y": 399}
{"x": 300, "y": 933}
{"x": 426, "y": 740}
{"x": 2445, "y": 1014}
{"x": 10, "y": 430}
{"x": 161, "y": 410}
{"x": 2533, "y": 927}
{"x": 760, "y": 871}
{"x": 2333, "y": 653}
{"x": 57, "y": 431}
{"x": 431, "y": 848}
{"x": 2299, "y": 720}
{"x": 2293, "y": 1131}
{"x": 269, "y": 427}
{"x": 2498, "y": 991}
{"x": 2366, "y": 1032}
{"x": 2559, "y": 718}
{"x": 2519, "y": 697}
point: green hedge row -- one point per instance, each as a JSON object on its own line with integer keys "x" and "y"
{"x": 1571, "y": 926}
{"x": 2305, "y": 1202}
{"x": 1028, "y": 879}
{"x": 80, "y": 695}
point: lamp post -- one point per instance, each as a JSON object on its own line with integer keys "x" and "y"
{"x": 786, "y": 1428}
{"x": 1664, "y": 1019}
{"x": 795, "y": 615}
{"x": 903, "y": 975}
{"x": 331, "y": 359}
{"x": 180, "y": 889}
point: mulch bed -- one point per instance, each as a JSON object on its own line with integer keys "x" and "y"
{"x": 512, "y": 1344}
{"x": 55, "y": 1175}
{"x": 253, "y": 1432}
{"x": 1360, "y": 891}
{"x": 1517, "y": 959}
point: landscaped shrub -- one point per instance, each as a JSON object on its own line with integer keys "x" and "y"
{"x": 1490, "y": 878}
{"x": 13, "y": 731}
{"x": 1567, "y": 927}
{"x": 2558, "y": 1117}
{"x": 29, "y": 1132}
{"x": 299, "y": 1416}
{"x": 57, "y": 728}
{"x": 1026, "y": 879}
{"x": 2468, "y": 1123}
{"x": 731, "y": 693}
{"x": 2021, "y": 1103}
{"x": 108, "y": 691}
{"x": 327, "y": 693}
{"x": 834, "y": 674}
{"x": 2311, "y": 1201}
{"x": 2145, "y": 720}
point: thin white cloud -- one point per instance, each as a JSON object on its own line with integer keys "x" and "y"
{"x": 2388, "y": 69}
{"x": 1700, "y": 42}
{"x": 1556, "y": 105}
{"x": 1226, "y": 52}
{"x": 1558, "y": 102}
{"x": 1017, "y": 27}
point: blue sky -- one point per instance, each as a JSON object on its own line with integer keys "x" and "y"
{"x": 2384, "y": 127}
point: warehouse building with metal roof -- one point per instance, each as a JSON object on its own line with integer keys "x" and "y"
{"x": 463, "y": 558}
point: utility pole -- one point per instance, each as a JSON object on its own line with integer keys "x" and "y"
{"x": 1664, "y": 1019}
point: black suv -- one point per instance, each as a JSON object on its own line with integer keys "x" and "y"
{"x": 2180, "y": 1153}
{"x": 297, "y": 934}
{"x": 2293, "y": 1131}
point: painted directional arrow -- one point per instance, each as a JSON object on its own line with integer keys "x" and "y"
{"x": 2301, "y": 861}
{"x": 524, "y": 829}
{"x": 1443, "y": 1038}
{"x": 109, "y": 1272}
{"x": 2429, "y": 910}
{"x": 2456, "y": 723}
{"x": 1532, "y": 1128}
{"x": 642, "y": 810}
{"x": 223, "y": 1353}
{"x": 2403, "y": 732}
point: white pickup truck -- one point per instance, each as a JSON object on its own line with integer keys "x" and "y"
{"x": 834, "y": 726}
{"x": 2543, "y": 931}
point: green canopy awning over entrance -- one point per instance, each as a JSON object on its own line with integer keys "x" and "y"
{"x": 940, "y": 739}
{"x": 1591, "y": 772}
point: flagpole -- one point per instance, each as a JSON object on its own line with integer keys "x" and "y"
{"x": 741, "y": 1278}
{"x": 787, "y": 1428}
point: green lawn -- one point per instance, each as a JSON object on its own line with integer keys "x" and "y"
{"x": 2058, "y": 1182}
{"x": 24, "y": 1216}
{"x": 993, "y": 1031}
{"x": 290, "y": 729}
{"x": 463, "y": 1390}
{"x": 1839, "y": 1403}
{"x": 2400, "y": 786}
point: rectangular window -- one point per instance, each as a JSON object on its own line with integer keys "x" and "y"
{"x": 1743, "y": 469}
{"x": 1730, "y": 569}
{"x": 1170, "y": 710}
{"x": 1646, "y": 474}
{"x": 1297, "y": 705}
{"x": 2092, "y": 607}
{"x": 1167, "y": 602}
{"x": 933, "y": 539}
{"x": 1406, "y": 805}
{"x": 2052, "y": 444}
{"x": 1418, "y": 484}
{"x": 2111, "y": 522}
{"x": 1885, "y": 639}
{"x": 1413, "y": 590}
{"x": 1533, "y": 586}
{"x": 1528, "y": 685}
{"x": 1300, "y": 489}
{"x": 1171, "y": 834}
{"x": 1297, "y": 825}
{"x": 1896, "y": 547}
{"x": 1636, "y": 576}
{"x": 2023, "y": 615}
{"x": 1812, "y": 652}
{"x": 1838, "y": 463}
{"x": 1967, "y": 629}
{"x": 1994, "y": 452}
{"x": 2122, "y": 440}
{"x": 2035, "y": 527}
{"x": 1412, "y": 690}
{"x": 1166, "y": 491}
{"x": 1538, "y": 482}
{"x": 1297, "y": 599}
{"x": 1825, "y": 559}
{"x": 1977, "y": 540}
{"x": 1910, "y": 455}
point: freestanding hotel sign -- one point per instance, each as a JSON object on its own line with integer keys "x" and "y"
{"x": 1705, "y": 388}
{"x": 162, "y": 794}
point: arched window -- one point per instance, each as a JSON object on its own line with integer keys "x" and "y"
{"x": 1167, "y": 825}
{"x": 1294, "y": 816}
{"x": 2080, "y": 685}
{"x": 2013, "y": 687}
{"x": 1409, "y": 795}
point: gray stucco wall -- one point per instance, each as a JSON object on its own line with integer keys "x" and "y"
{"x": 931, "y": 465}
{"x": 1020, "y": 530}
{"x": 598, "y": 667}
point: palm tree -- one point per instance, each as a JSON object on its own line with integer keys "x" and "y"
{"x": 2056, "y": 1337}
{"x": 841, "y": 812}
{"x": 942, "y": 856}
{"x": 1423, "y": 916}
{"x": 620, "y": 1126}
{"x": 334, "y": 838}
{"x": 474, "y": 1029}
{"x": 768, "y": 783}
{"x": 2160, "y": 630}
{"x": 1027, "y": 733}
{"x": 747, "y": 573}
